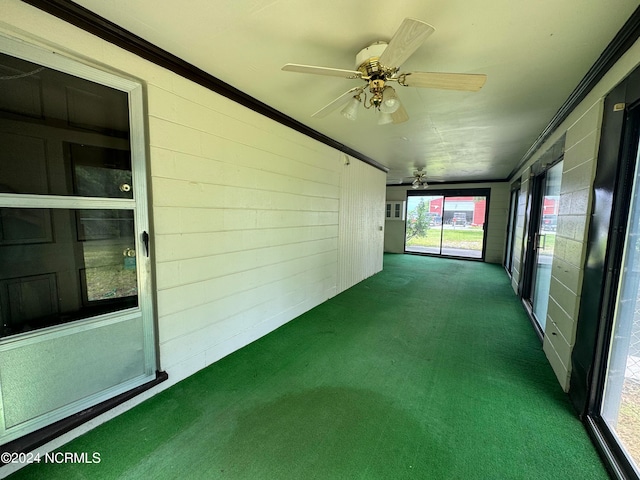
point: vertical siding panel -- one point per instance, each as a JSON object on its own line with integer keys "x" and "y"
{"x": 362, "y": 193}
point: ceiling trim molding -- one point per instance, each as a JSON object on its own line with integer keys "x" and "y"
{"x": 90, "y": 22}
{"x": 624, "y": 39}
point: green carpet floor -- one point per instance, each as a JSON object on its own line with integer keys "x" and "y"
{"x": 427, "y": 370}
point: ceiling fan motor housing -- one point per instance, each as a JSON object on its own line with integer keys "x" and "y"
{"x": 367, "y": 62}
{"x": 367, "y": 59}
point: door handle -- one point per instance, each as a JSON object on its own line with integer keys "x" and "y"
{"x": 145, "y": 240}
{"x": 541, "y": 240}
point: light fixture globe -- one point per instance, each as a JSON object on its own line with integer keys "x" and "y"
{"x": 350, "y": 111}
{"x": 384, "y": 118}
{"x": 390, "y": 101}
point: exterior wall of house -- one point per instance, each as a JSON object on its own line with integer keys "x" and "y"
{"x": 496, "y": 223}
{"x": 582, "y": 136}
{"x": 253, "y": 222}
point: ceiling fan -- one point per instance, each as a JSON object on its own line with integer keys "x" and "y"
{"x": 379, "y": 64}
{"x": 417, "y": 180}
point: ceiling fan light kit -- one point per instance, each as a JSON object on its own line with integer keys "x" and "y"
{"x": 379, "y": 64}
{"x": 419, "y": 180}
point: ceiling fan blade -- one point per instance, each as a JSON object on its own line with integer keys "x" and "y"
{"x": 448, "y": 81}
{"x": 331, "y": 72}
{"x": 400, "y": 115}
{"x": 341, "y": 100}
{"x": 407, "y": 39}
{"x": 394, "y": 181}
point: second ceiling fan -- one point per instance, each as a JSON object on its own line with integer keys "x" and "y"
{"x": 379, "y": 64}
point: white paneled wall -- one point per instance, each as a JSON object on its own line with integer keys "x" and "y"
{"x": 361, "y": 239}
{"x": 253, "y": 222}
{"x": 246, "y": 216}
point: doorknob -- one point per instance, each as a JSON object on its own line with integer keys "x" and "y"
{"x": 129, "y": 252}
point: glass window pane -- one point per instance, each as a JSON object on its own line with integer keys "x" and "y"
{"x": 463, "y": 233}
{"x": 545, "y": 243}
{"x": 62, "y": 135}
{"x": 424, "y": 224}
{"x": 100, "y": 172}
{"x": 60, "y": 265}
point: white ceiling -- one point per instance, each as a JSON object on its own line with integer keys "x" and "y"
{"x": 534, "y": 54}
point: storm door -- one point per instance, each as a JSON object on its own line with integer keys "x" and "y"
{"x": 76, "y": 319}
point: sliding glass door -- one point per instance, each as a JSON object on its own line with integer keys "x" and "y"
{"x": 447, "y": 223}
{"x": 546, "y": 201}
{"x": 620, "y": 407}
